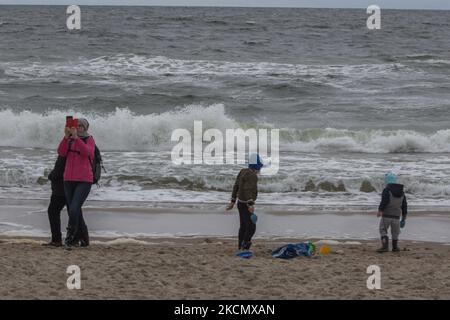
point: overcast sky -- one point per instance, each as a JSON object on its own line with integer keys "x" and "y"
{"x": 387, "y": 4}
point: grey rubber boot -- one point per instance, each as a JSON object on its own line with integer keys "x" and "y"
{"x": 395, "y": 246}
{"x": 384, "y": 245}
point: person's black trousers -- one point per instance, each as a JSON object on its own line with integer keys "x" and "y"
{"x": 247, "y": 228}
{"x": 57, "y": 203}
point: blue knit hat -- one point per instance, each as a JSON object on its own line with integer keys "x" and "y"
{"x": 254, "y": 162}
{"x": 390, "y": 177}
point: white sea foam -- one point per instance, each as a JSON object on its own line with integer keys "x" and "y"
{"x": 335, "y": 242}
{"x": 131, "y": 132}
{"x": 134, "y": 132}
{"x": 25, "y": 233}
{"x": 160, "y": 66}
{"x": 22, "y": 241}
{"x": 120, "y": 241}
{"x": 139, "y": 151}
{"x": 367, "y": 141}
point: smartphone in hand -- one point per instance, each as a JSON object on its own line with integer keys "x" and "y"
{"x": 75, "y": 123}
{"x": 69, "y": 121}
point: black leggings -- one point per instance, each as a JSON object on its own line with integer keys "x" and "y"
{"x": 57, "y": 203}
{"x": 247, "y": 228}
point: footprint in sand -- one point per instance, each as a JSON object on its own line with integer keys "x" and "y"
{"x": 188, "y": 286}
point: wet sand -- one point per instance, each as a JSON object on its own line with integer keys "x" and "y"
{"x": 112, "y": 220}
{"x": 206, "y": 268}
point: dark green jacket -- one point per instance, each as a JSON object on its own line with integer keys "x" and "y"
{"x": 246, "y": 186}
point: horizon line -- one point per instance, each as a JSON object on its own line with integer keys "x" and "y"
{"x": 221, "y": 6}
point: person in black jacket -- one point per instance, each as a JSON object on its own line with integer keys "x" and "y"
{"x": 57, "y": 204}
{"x": 57, "y": 201}
{"x": 393, "y": 207}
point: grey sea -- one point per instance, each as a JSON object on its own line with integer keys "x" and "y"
{"x": 350, "y": 103}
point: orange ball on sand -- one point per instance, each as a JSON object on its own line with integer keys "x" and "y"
{"x": 324, "y": 250}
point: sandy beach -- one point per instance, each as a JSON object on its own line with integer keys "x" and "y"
{"x": 347, "y": 118}
{"x": 206, "y": 268}
{"x": 190, "y": 264}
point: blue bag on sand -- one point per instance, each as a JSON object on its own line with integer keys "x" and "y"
{"x": 254, "y": 218}
{"x": 290, "y": 251}
{"x": 244, "y": 254}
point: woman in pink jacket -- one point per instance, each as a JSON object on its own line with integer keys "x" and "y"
{"x": 78, "y": 148}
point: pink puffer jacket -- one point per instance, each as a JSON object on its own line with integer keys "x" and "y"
{"x": 79, "y": 155}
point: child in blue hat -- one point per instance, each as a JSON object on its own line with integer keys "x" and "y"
{"x": 393, "y": 206}
{"x": 245, "y": 192}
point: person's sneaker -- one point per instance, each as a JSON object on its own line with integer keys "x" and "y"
{"x": 84, "y": 240}
{"x": 69, "y": 243}
{"x": 84, "y": 243}
{"x": 244, "y": 254}
{"x": 52, "y": 244}
{"x": 246, "y": 245}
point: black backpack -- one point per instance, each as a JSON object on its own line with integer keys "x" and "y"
{"x": 97, "y": 164}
